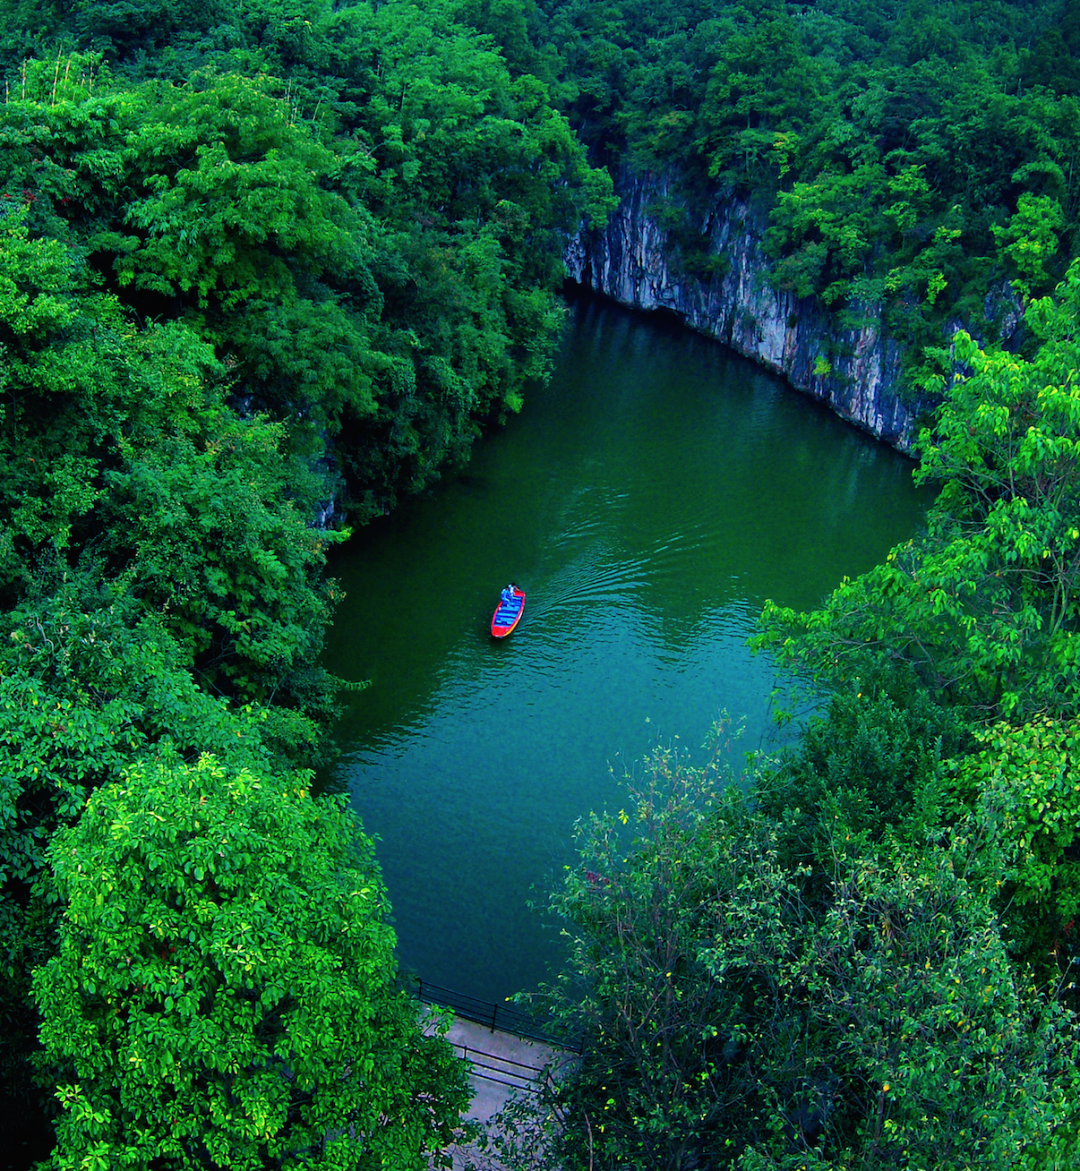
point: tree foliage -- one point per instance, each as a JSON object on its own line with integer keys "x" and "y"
{"x": 981, "y": 610}
{"x": 223, "y": 992}
{"x": 258, "y": 267}
{"x": 371, "y": 233}
{"x": 906, "y": 160}
{"x": 747, "y": 1009}
{"x": 1021, "y": 784}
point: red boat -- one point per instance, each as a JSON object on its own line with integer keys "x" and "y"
{"x": 508, "y": 614}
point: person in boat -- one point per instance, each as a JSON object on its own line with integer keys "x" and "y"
{"x": 507, "y": 594}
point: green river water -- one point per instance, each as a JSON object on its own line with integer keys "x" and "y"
{"x": 648, "y": 500}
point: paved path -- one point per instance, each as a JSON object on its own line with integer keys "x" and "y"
{"x": 503, "y": 1064}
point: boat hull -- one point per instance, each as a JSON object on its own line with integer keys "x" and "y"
{"x": 507, "y": 615}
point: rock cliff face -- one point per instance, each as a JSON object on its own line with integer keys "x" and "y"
{"x": 855, "y": 372}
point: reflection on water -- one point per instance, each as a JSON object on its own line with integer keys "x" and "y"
{"x": 648, "y": 500}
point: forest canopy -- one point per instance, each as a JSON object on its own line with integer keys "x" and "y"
{"x": 266, "y": 271}
{"x": 261, "y": 272}
{"x": 903, "y": 155}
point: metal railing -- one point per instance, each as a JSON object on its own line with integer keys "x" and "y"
{"x": 517, "y": 1075}
{"x": 496, "y": 1016}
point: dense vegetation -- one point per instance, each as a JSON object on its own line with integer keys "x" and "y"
{"x": 906, "y": 157}
{"x": 260, "y": 270}
{"x": 265, "y": 268}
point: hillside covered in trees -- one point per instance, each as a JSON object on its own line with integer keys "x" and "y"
{"x": 260, "y": 271}
{"x": 268, "y": 269}
{"x": 904, "y": 155}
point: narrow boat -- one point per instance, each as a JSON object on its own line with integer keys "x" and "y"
{"x": 507, "y": 614}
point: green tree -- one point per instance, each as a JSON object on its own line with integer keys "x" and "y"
{"x": 902, "y": 1035}
{"x": 224, "y": 989}
{"x": 763, "y": 84}
{"x": 835, "y": 220}
{"x": 1031, "y": 240}
{"x": 749, "y": 1012}
{"x": 868, "y": 769}
{"x": 214, "y": 540}
{"x": 1021, "y": 784}
{"x": 654, "y": 1089}
{"x": 236, "y": 220}
{"x": 89, "y": 684}
{"x": 983, "y": 609}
